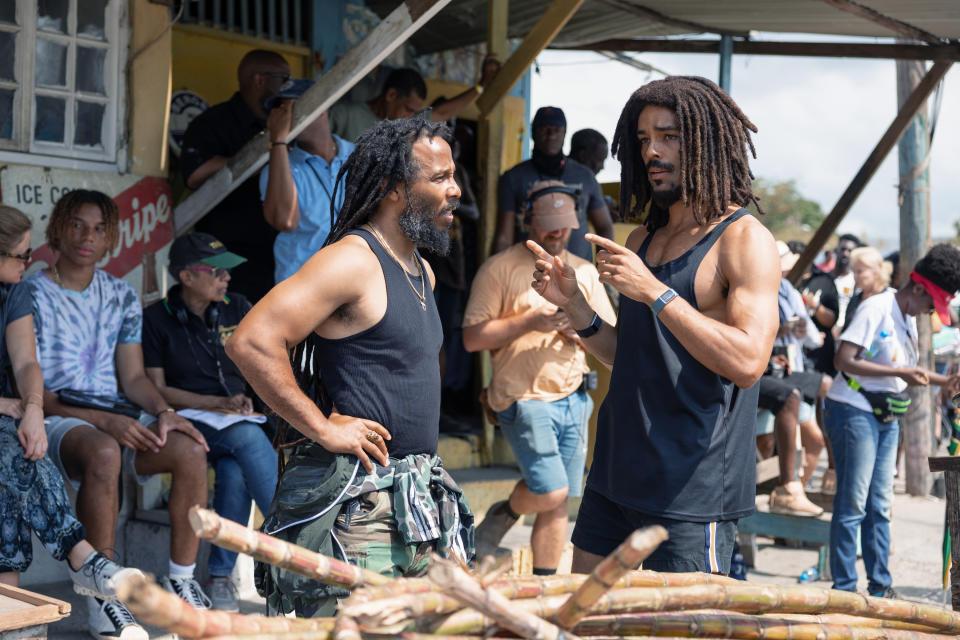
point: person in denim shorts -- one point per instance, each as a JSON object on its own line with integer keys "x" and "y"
{"x": 538, "y": 389}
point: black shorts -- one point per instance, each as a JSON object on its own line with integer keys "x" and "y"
{"x": 775, "y": 391}
{"x": 602, "y": 525}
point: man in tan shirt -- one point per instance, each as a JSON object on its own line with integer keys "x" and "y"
{"x": 538, "y": 389}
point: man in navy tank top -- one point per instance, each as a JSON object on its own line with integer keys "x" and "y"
{"x": 362, "y": 385}
{"x": 698, "y": 315}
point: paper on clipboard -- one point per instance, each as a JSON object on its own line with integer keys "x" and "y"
{"x": 220, "y": 421}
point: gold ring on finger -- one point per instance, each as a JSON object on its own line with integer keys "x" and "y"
{"x": 373, "y": 437}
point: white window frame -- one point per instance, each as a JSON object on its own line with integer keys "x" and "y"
{"x": 24, "y": 148}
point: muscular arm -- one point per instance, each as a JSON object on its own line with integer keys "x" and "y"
{"x": 283, "y": 318}
{"x": 204, "y": 171}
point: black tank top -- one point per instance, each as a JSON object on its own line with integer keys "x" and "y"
{"x": 674, "y": 439}
{"x": 390, "y": 372}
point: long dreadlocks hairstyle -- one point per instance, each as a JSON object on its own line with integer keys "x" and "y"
{"x": 381, "y": 160}
{"x": 714, "y": 138}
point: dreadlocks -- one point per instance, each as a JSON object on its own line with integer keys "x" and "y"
{"x": 715, "y": 136}
{"x": 381, "y": 160}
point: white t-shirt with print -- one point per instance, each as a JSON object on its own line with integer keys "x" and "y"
{"x": 887, "y": 337}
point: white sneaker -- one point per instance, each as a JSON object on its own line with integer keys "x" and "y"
{"x": 99, "y": 577}
{"x": 189, "y": 591}
{"x": 110, "y": 620}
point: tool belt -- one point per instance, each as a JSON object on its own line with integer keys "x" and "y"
{"x": 887, "y": 406}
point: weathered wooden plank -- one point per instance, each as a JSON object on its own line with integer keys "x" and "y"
{"x": 803, "y": 49}
{"x": 20, "y": 608}
{"x": 395, "y": 29}
{"x": 944, "y": 463}
{"x": 542, "y": 34}
{"x": 16, "y": 593}
{"x": 890, "y": 137}
{"x": 897, "y": 26}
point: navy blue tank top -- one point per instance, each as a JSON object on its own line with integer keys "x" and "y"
{"x": 390, "y": 372}
{"x": 674, "y": 439}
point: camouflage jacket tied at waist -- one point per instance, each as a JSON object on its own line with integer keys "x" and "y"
{"x": 317, "y": 485}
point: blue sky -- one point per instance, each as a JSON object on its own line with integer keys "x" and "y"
{"x": 818, "y": 119}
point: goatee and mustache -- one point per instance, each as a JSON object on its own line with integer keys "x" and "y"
{"x": 418, "y": 223}
{"x": 664, "y": 199}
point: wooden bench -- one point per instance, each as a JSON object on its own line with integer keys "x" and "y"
{"x": 776, "y": 525}
{"x": 24, "y": 614}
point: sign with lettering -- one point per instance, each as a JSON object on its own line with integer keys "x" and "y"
{"x": 146, "y": 210}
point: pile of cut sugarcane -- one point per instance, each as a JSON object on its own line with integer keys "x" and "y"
{"x": 615, "y": 601}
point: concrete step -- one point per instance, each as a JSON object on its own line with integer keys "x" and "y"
{"x": 482, "y": 486}
{"x": 463, "y": 451}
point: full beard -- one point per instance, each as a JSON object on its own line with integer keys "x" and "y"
{"x": 418, "y": 223}
{"x": 664, "y": 199}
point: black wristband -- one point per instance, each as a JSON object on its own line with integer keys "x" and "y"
{"x": 277, "y": 144}
{"x": 592, "y": 328}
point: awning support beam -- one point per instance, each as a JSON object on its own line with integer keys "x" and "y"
{"x": 395, "y": 29}
{"x": 542, "y": 34}
{"x": 908, "y": 111}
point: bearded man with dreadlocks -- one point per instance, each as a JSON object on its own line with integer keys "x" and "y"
{"x": 698, "y": 315}
{"x": 365, "y": 483}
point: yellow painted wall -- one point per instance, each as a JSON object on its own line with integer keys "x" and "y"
{"x": 205, "y": 60}
{"x": 149, "y": 87}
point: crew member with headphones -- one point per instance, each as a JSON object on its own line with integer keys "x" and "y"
{"x": 538, "y": 390}
{"x": 183, "y": 338}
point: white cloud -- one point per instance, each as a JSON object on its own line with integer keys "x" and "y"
{"x": 818, "y": 119}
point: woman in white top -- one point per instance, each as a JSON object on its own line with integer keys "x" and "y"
{"x": 876, "y": 361}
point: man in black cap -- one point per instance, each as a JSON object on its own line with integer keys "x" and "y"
{"x": 548, "y": 163}
{"x": 210, "y": 141}
{"x": 183, "y": 338}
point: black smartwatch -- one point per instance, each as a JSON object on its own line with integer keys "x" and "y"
{"x": 592, "y": 328}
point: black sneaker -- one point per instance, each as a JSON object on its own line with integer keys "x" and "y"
{"x": 111, "y": 620}
{"x": 888, "y": 592}
{"x": 490, "y": 532}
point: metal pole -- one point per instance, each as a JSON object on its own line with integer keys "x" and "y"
{"x": 726, "y": 58}
{"x": 914, "y": 193}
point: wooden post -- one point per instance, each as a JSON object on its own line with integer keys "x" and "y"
{"x": 542, "y": 34}
{"x": 914, "y": 192}
{"x": 950, "y": 466}
{"x": 395, "y": 29}
{"x": 490, "y": 150}
{"x": 908, "y": 110}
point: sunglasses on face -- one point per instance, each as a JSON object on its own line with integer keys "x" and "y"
{"x": 218, "y": 272}
{"x": 276, "y": 74}
{"x": 23, "y": 257}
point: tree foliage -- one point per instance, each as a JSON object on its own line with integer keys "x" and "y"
{"x": 788, "y": 213}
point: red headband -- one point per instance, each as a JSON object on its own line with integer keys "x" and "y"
{"x": 941, "y": 299}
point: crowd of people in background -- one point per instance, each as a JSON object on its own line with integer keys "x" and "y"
{"x": 100, "y": 386}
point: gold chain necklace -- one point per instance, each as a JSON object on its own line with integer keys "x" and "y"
{"x": 422, "y": 294}
{"x": 56, "y": 274}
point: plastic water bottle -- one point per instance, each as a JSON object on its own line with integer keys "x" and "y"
{"x": 810, "y": 574}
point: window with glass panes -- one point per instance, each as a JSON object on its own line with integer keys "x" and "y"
{"x": 58, "y": 77}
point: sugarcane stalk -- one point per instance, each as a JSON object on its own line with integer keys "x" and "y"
{"x": 625, "y": 558}
{"x": 346, "y": 628}
{"x": 720, "y": 624}
{"x": 853, "y": 621}
{"x": 289, "y": 635}
{"x": 770, "y": 598}
{"x": 455, "y": 582}
{"x": 393, "y": 615}
{"x": 236, "y": 537}
{"x": 156, "y": 606}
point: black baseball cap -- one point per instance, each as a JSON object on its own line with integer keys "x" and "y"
{"x": 292, "y": 88}
{"x": 200, "y": 247}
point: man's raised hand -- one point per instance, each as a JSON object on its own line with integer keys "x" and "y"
{"x": 623, "y": 270}
{"x": 553, "y": 279}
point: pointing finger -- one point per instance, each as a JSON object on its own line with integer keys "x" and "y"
{"x": 538, "y": 251}
{"x": 605, "y": 243}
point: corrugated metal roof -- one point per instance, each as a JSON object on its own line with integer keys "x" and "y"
{"x": 464, "y": 22}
